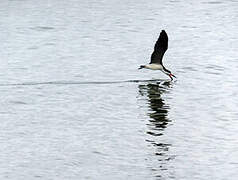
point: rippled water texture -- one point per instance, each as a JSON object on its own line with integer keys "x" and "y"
{"x": 75, "y": 106}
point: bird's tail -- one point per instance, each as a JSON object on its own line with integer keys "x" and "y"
{"x": 141, "y": 67}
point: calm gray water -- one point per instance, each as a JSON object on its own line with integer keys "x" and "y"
{"x": 74, "y": 105}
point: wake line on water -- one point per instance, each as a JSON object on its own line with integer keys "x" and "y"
{"x": 81, "y": 82}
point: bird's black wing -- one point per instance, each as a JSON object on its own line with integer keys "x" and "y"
{"x": 161, "y": 46}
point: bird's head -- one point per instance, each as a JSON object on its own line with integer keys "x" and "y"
{"x": 168, "y": 72}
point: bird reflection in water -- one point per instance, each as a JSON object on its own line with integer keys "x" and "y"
{"x": 158, "y": 121}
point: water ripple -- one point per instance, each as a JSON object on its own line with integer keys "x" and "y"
{"x": 83, "y": 82}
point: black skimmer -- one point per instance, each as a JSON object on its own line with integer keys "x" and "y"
{"x": 156, "y": 57}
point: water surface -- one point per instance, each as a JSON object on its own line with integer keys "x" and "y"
{"x": 74, "y": 105}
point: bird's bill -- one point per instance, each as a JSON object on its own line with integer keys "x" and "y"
{"x": 171, "y": 76}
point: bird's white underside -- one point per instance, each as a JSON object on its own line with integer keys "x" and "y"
{"x": 154, "y": 66}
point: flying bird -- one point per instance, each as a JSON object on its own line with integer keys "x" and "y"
{"x": 156, "y": 63}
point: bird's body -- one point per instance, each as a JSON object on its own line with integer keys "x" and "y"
{"x": 160, "y": 48}
{"x": 152, "y": 66}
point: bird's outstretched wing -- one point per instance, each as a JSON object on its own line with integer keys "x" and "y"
{"x": 161, "y": 46}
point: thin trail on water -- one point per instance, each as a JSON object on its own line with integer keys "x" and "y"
{"x": 81, "y": 82}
